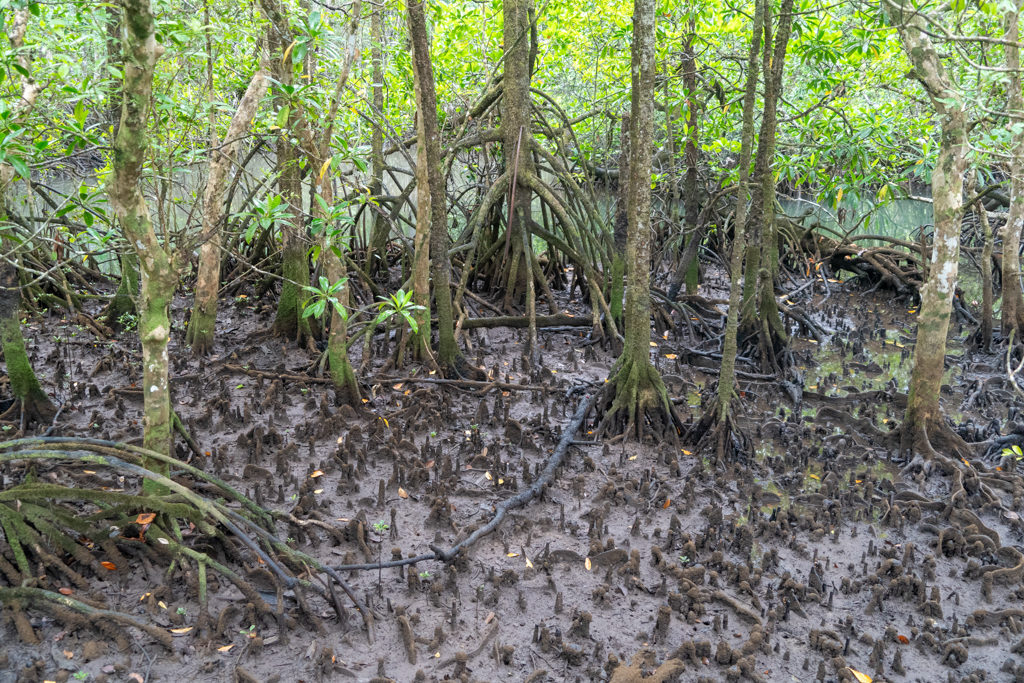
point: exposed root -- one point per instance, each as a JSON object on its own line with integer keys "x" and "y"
{"x": 635, "y": 401}
{"x": 722, "y": 436}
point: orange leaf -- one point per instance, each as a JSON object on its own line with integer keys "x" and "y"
{"x": 181, "y": 631}
{"x": 145, "y": 518}
{"x": 861, "y": 678}
{"x": 668, "y": 501}
{"x": 903, "y": 639}
{"x": 316, "y": 474}
{"x": 108, "y": 565}
{"x": 65, "y": 591}
{"x": 402, "y": 493}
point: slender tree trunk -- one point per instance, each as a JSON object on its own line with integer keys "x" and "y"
{"x": 727, "y": 374}
{"x": 1013, "y": 299}
{"x": 516, "y": 139}
{"x": 35, "y": 404}
{"x": 421, "y": 242}
{"x": 984, "y": 338}
{"x": 288, "y": 321}
{"x": 429, "y": 141}
{"x": 923, "y": 411}
{"x": 635, "y": 397}
{"x": 688, "y": 271}
{"x": 760, "y": 310}
{"x": 204, "y": 312}
{"x": 377, "y": 252}
{"x": 159, "y": 276}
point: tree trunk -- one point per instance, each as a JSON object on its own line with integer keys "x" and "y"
{"x": 727, "y": 374}
{"x": 1013, "y": 299}
{"x": 159, "y": 276}
{"x": 760, "y": 310}
{"x": 923, "y": 410}
{"x": 204, "y": 312}
{"x": 428, "y": 140}
{"x": 376, "y": 255}
{"x": 635, "y": 397}
{"x": 288, "y": 321}
{"x": 516, "y": 141}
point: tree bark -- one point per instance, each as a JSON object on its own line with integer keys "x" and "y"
{"x": 204, "y": 312}
{"x": 923, "y": 409}
{"x": 727, "y": 374}
{"x": 621, "y": 229}
{"x": 429, "y": 141}
{"x": 1013, "y": 298}
{"x": 376, "y": 255}
{"x": 635, "y": 398}
{"x": 159, "y": 275}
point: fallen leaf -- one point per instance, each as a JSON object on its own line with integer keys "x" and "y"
{"x": 671, "y": 356}
{"x": 318, "y": 491}
{"x": 654, "y": 344}
{"x": 430, "y": 463}
{"x": 812, "y": 475}
{"x": 489, "y": 617}
{"x": 145, "y": 518}
{"x": 402, "y": 493}
{"x": 317, "y": 473}
{"x": 686, "y": 452}
{"x": 108, "y": 565}
{"x": 529, "y": 565}
{"x": 89, "y": 471}
{"x": 632, "y": 457}
{"x": 398, "y": 387}
{"x": 162, "y": 604}
{"x": 587, "y": 564}
{"x": 181, "y": 631}
{"x": 487, "y": 476}
{"x": 903, "y": 639}
{"x": 69, "y": 654}
{"x": 861, "y": 678}
{"x": 137, "y": 677}
{"x": 668, "y": 501}
{"x": 513, "y": 555}
{"x": 225, "y": 648}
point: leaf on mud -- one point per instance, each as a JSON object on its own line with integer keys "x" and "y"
{"x": 402, "y": 493}
{"x": 398, "y": 387}
{"x": 108, "y": 565}
{"x": 181, "y": 631}
{"x": 632, "y": 457}
{"x": 69, "y": 654}
{"x": 686, "y": 452}
{"x": 671, "y": 356}
{"x": 430, "y": 463}
{"x": 861, "y": 678}
{"x": 489, "y": 618}
{"x": 488, "y": 476}
{"x": 654, "y": 344}
{"x": 318, "y": 491}
{"x": 812, "y": 475}
{"x": 162, "y": 604}
{"x": 664, "y": 506}
{"x": 137, "y": 677}
{"x": 587, "y": 564}
{"x": 89, "y": 471}
{"x": 225, "y": 648}
{"x": 317, "y": 473}
{"x": 145, "y": 518}
{"x": 513, "y": 555}
{"x": 903, "y": 639}
{"x": 64, "y": 590}
{"x": 529, "y": 565}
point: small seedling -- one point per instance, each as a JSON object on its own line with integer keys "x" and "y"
{"x": 684, "y": 558}
{"x": 424, "y": 575}
{"x": 1014, "y": 452}
{"x": 80, "y": 675}
{"x": 381, "y": 526}
{"x": 182, "y": 611}
{"x": 249, "y": 631}
{"x": 433, "y": 434}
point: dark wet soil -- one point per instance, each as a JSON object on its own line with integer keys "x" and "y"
{"x": 809, "y": 560}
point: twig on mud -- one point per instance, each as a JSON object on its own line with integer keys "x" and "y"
{"x": 276, "y": 375}
{"x": 502, "y": 509}
{"x": 468, "y": 383}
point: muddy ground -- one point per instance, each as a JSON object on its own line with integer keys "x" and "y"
{"x": 808, "y": 560}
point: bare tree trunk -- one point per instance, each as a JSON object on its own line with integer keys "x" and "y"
{"x": 376, "y": 255}
{"x": 635, "y": 398}
{"x": 1013, "y": 299}
{"x": 159, "y": 275}
{"x": 288, "y": 321}
{"x": 429, "y": 141}
{"x": 924, "y": 414}
{"x": 204, "y": 313}
{"x": 727, "y": 374}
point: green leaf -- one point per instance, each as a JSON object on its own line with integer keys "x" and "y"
{"x": 20, "y": 166}
{"x": 282, "y": 116}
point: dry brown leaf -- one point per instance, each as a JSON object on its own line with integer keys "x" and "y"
{"x": 145, "y": 518}
{"x": 861, "y": 677}
{"x": 64, "y": 590}
{"x": 225, "y": 648}
{"x": 181, "y": 631}
{"x": 316, "y": 473}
